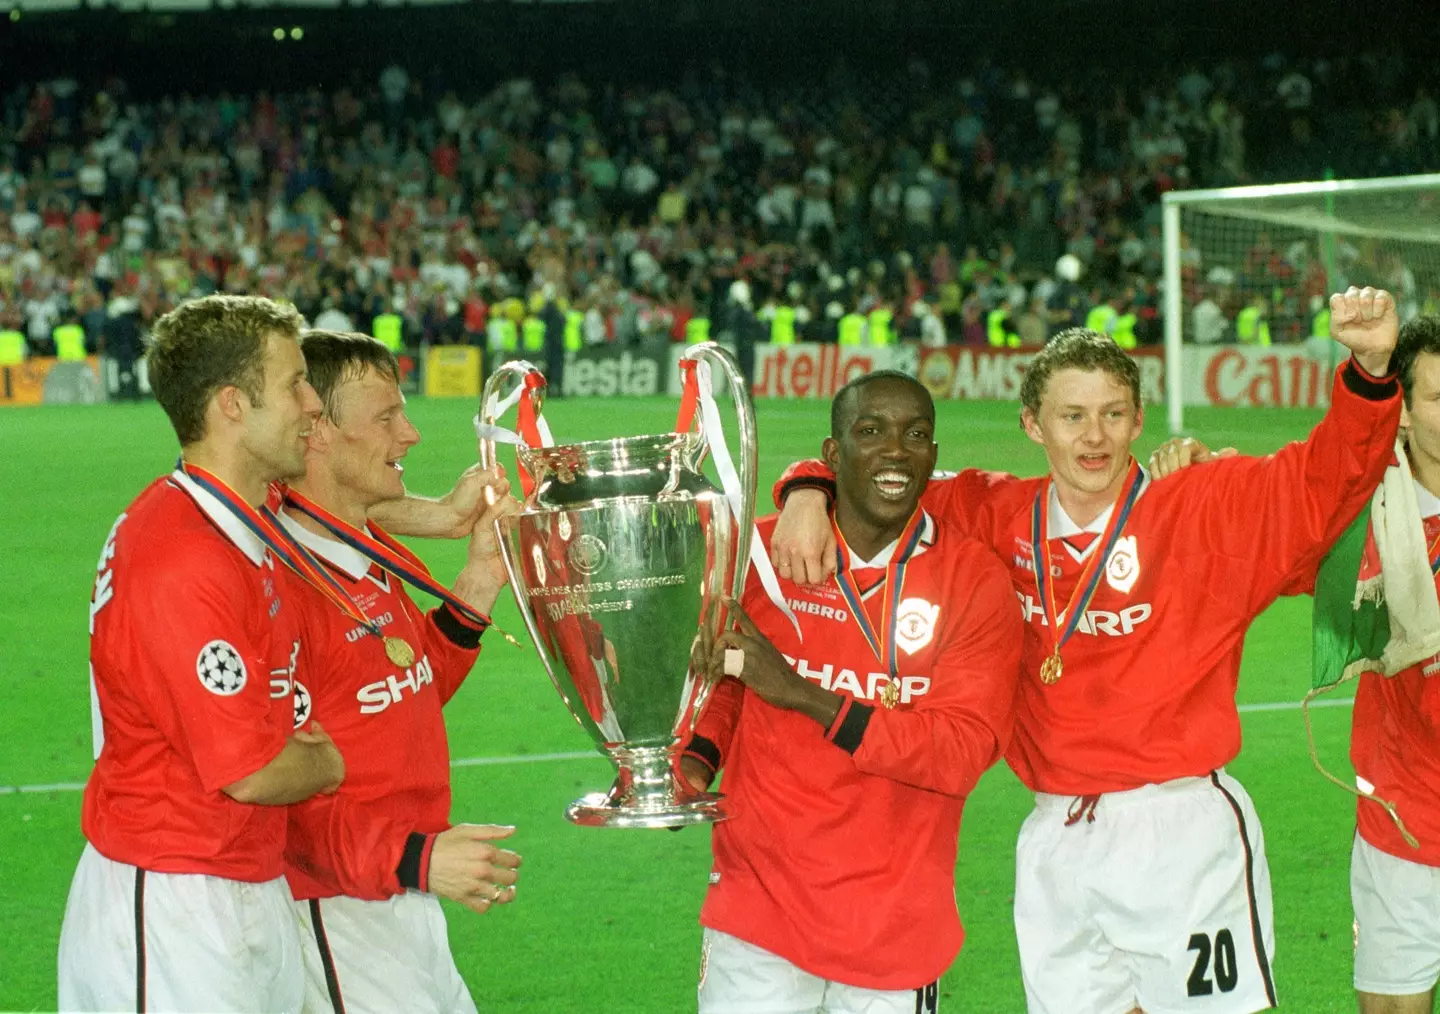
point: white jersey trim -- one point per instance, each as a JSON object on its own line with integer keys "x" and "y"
{"x": 882, "y": 558}
{"x": 244, "y": 539}
{"x": 351, "y": 561}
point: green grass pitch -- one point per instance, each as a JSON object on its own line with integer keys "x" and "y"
{"x": 605, "y": 920}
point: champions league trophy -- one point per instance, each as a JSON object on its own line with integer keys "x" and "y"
{"x": 619, "y": 563}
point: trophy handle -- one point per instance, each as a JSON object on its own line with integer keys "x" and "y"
{"x": 492, "y": 406}
{"x": 749, "y": 468}
{"x": 749, "y": 461}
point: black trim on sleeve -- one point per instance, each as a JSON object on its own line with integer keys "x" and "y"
{"x": 1362, "y": 385}
{"x": 826, "y": 486}
{"x": 327, "y": 960}
{"x": 459, "y": 633}
{"x": 705, "y": 751}
{"x": 852, "y": 726}
{"x": 412, "y": 861}
{"x": 139, "y": 939}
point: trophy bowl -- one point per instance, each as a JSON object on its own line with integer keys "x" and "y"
{"x": 619, "y": 562}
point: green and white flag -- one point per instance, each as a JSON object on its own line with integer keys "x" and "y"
{"x": 1376, "y": 608}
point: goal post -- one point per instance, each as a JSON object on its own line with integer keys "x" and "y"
{"x": 1247, "y": 271}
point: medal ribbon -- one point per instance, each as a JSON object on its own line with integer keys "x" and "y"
{"x": 266, "y": 527}
{"x": 381, "y": 548}
{"x": 1089, "y": 579}
{"x": 886, "y": 650}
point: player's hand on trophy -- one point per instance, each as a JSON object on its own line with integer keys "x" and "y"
{"x": 484, "y": 576}
{"x": 475, "y": 490}
{"x": 1182, "y": 452}
{"x": 748, "y": 655}
{"x": 695, "y": 774}
{"x": 484, "y": 549}
{"x": 802, "y": 547}
{"x": 325, "y": 753}
{"x": 467, "y": 868}
{"x": 1366, "y": 323}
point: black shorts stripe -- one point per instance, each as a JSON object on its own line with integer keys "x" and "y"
{"x": 1255, "y": 929}
{"x": 139, "y": 939}
{"x": 327, "y": 961}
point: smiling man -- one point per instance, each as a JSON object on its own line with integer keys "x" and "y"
{"x": 848, "y": 756}
{"x": 1141, "y": 881}
{"x": 178, "y": 902}
{"x": 367, "y": 864}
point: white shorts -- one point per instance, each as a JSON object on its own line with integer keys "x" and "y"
{"x": 379, "y": 957}
{"x": 138, "y": 940}
{"x": 739, "y": 978}
{"x": 1397, "y": 922}
{"x": 1157, "y": 898}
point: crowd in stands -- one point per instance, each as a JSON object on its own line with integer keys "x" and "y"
{"x": 934, "y": 198}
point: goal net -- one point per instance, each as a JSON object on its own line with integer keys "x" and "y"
{"x": 1249, "y": 272}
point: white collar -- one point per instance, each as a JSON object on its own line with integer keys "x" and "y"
{"x": 230, "y": 526}
{"x": 882, "y": 558}
{"x": 1429, "y": 503}
{"x": 350, "y": 561}
{"x": 1060, "y": 524}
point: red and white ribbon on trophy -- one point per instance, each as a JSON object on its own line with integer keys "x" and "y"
{"x": 533, "y": 430}
{"x": 698, "y": 392}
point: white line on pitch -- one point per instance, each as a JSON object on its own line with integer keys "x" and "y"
{"x": 541, "y": 758}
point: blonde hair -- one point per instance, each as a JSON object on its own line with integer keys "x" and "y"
{"x": 1078, "y": 348}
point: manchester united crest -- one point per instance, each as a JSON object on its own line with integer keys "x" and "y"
{"x": 915, "y": 624}
{"x": 1122, "y": 570}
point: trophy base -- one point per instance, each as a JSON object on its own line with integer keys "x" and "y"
{"x": 598, "y": 809}
{"x": 646, "y": 793}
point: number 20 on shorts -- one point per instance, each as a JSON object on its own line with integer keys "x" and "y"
{"x": 1227, "y": 972}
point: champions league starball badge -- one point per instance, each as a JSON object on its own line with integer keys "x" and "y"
{"x": 221, "y": 669}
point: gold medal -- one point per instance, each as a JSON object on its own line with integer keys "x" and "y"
{"x": 399, "y": 652}
{"x": 890, "y": 696}
{"x": 1089, "y": 578}
{"x": 1051, "y": 669}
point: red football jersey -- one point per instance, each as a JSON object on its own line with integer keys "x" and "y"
{"x": 1148, "y": 690}
{"x": 1395, "y": 745}
{"x": 841, "y": 854}
{"x": 386, "y": 722}
{"x": 193, "y": 654}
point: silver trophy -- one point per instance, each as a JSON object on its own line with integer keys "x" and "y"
{"x": 619, "y": 562}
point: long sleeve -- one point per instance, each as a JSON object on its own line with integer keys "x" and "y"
{"x": 963, "y": 723}
{"x": 454, "y": 644}
{"x": 1273, "y": 518}
{"x": 349, "y": 846}
{"x": 710, "y": 742}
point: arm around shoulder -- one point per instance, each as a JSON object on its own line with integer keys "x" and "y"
{"x": 961, "y": 725}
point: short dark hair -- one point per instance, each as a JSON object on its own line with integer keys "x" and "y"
{"x": 333, "y": 357}
{"x": 843, "y": 407}
{"x": 206, "y": 344}
{"x": 1419, "y": 335}
{"x": 1081, "y": 349}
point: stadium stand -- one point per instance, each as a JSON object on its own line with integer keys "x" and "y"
{"x": 938, "y": 200}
